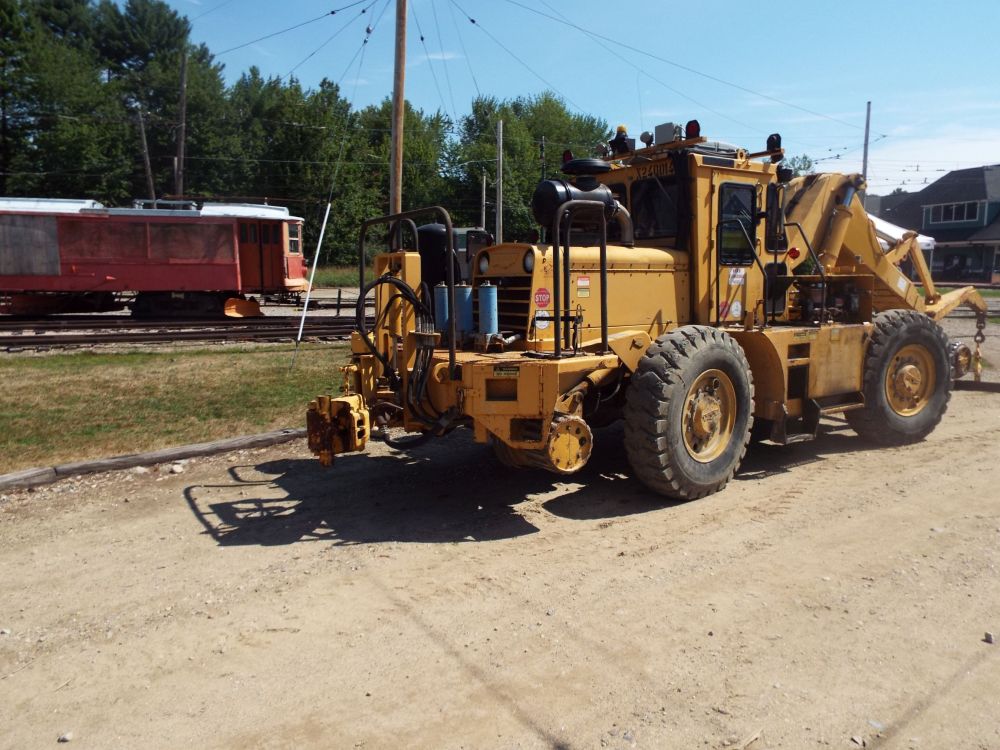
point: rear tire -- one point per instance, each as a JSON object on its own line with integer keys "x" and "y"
{"x": 907, "y": 379}
{"x": 688, "y": 412}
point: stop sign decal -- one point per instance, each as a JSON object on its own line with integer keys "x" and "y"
{"x": 542, "y": 297}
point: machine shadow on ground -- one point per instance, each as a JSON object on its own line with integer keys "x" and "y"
{"x": 451, "y": 490}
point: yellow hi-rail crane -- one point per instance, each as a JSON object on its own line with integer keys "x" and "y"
{"x": 690, "y": 288}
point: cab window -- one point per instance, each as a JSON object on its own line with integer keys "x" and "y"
{"x": 654, "y": 208}
{"x": 294, "y": 238}
{"x": 737, "y": 228}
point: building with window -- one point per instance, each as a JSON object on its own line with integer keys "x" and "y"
{"x": 961, "y": 211}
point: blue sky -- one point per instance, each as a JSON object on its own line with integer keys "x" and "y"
{"x": 743, "y": 69}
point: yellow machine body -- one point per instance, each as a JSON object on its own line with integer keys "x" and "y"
{"x": 800, "y": 309}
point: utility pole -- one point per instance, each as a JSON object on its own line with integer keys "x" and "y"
{"x": 864, "y": 162}
{"x": 499, "y": 237}
{"x": 482, "y": 203}
{"x": 145, "y": 156}
{"x": 398, "y": 108}
{"x": 179, "y": 167}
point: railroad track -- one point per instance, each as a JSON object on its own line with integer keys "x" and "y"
{"x": 15, "y": 324}
{"x": 96, "y": 330}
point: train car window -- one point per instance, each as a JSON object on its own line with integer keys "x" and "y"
{"x": 654, "y": 207}
{"x": 243, "y": 232}
{"x": 211, "y": 243}
{"x": 293, "y": 238}
{"x": 253, "y": 233}
{"x": 737, "y": 229}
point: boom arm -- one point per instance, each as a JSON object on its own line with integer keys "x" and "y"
{"x": 829, "y": 211}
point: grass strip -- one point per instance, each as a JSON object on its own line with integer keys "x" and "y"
{"x": 71, "y": 407}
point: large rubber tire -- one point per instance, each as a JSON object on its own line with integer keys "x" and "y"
{"x": 903, "y": 339}
{"x": 664, "y": 394}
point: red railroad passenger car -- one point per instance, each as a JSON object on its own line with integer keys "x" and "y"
{"x": 77, "y": 255}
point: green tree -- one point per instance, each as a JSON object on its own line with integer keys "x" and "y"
{"x": 70, "y": 124}
{"x": 800, "y": 165}
{"x": 527, "y": 120}
{"x": 12, "y": 52}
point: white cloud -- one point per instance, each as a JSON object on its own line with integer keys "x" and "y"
{"x": 437, "y": 56}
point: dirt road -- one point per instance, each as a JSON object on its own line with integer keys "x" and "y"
{"x": 435, "y": 600}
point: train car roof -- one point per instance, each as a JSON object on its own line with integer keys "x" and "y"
{"x": 91, "y": 207}
{"x": 49, "y": 205}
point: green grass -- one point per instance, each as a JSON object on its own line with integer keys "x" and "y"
{"x": 334, "y": 276}
{"x": 69, "y": 407}
{"x": 984, "y": 291}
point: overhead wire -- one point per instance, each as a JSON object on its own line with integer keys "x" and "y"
{"x": 290, "y": 28}
{"x": 212, "y": 9}
{"x": 641, "y": 71}
{"x": 430, "y": 63}
{"x": 444, "y": 62}
{"x": 465, "y": 53}
{"x": 329, "y": 39}
{"x": 506, "y": 49}
{"x": 681, "y": 66}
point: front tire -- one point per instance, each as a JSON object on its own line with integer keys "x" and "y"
{"x": 688, "y": 412}
{"x": 907, "y": 379}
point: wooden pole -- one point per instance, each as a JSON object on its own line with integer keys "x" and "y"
{"x": 398, "y": 109}
{"x": 482, "y": 203}
{"x": 864, "y": 161}
{"x": 145, "y": 156}
{"x": 499, "y": 237}
{"x": 179, "y": 173}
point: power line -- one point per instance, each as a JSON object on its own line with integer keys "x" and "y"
{"x": 640, "y": 71}
{"x": 212, "y": 9}
{"x": 330, "y": 38}
{"x": 444, "y": 64}
{"x": 465, "y": 53}
{"x": 290, "y": 28}
{"x": 430, "y": 62}
{"x": 681, "y": 66}
{"x": 518, "y": 59}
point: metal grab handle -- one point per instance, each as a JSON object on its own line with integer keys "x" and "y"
{"x": 565, "y": 214}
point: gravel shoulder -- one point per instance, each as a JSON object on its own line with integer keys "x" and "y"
{"x": 437, "y": 600}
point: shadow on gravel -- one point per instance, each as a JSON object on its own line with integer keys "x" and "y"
{"x": 449, "y": 490}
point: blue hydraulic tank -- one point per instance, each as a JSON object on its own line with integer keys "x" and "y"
{"x": 441, "y": 307}
{"x": 488, "y": 323}
{"x": 463, "y": 310}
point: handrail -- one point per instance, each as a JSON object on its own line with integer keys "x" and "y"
{"x": 564, "y": 212}
{"x": 450, "y": 234}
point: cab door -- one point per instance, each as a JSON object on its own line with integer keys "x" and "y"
{"x": 272, "y": 246}
{"x": 737, "y": 277}
{"x": 251, "y": 256}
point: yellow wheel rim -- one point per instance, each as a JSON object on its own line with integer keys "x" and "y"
{"x": 709, "y": 416}
{"x": 910, "y": 380}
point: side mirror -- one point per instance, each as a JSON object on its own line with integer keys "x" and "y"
{"x": 774, "y": 232}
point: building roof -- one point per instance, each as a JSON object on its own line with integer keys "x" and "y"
{"x": 958, "y": 186}
{"x": 973, "y": 184}
{"x": 990, "y": 233}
